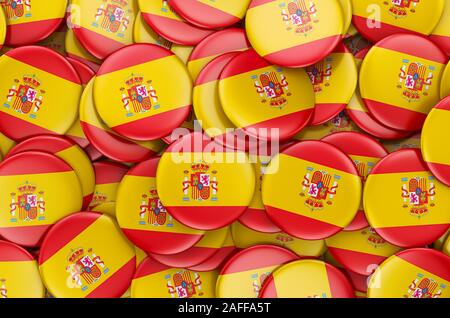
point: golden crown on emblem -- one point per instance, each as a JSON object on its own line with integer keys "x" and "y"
{"x": 76, "y": 255}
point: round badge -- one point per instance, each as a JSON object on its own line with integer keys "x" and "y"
{"x": 2, "y": 28}
{"x": 200, "y": 187}
{"x": 38, "y": 190}
{"x": 208, "y": 109}
{"x": 218, "y": 43}
{"x": 155, "y": 280}
{"x": 307, "y": 279}
{"x": 294, "y": 33}
{"x": 142, "y": 217}
{"x": 417, "y": 213}
{"x": 308, "y": 178}
{"x": 107, "y": 142}
{"x": 5, "y": 144}
{"x": 204, "y": 249}
{"x": 378, "y": 19}
{"x": 211, "y": 14}
{"x": 434, "y": 129}
{"x": 334, "y": 81}
{"x": 414, "y": 273}
{"x": 75, "y": 50}
{"x": 406, "y": 143}
{"x": 255, "y": 217}
{"x": 143, "y": 102}
{"x": 258, "y": 97}
{"x": 19, "y": 276}
{"x": 400, "y": 78}
{"x": 441, "y": 34}
{"x": 75, "y": 132}
{"x": 103, "y": 27}
{"x": 32, "y": 21}
{"x": 340, "y": 122}
{"x": 244, "y": 274}
{"x": 106, "y": 208}
{"x": 75, "y": 263}
{"x": 108, "y": 176}
{"x": 143, "y": 33}
{"x": 360, "y": 251}
{"x": 219, "y": 258}
{"x": 365, "y": 153}
{"x": 445, "y": 82}
{"x": 41, "y": 91}
{"x": 164, "y": 21}
{"x": 245, "y": 237}
{"x": 68, "y": 151}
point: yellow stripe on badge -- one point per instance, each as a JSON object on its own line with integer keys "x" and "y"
{"x": 393, "y": 209}
{"x": 2, "y": 28}
{"x": 32, "y": 11}
{"x": 112, "y": 82}
{"x": 292, "y": 187}
{"x": 75, "y": 49}
{"x": 104, "y": 192}
{"x": 53, "y": 113}
{"x": 113, "y": 249}
{"x": 397, "y": 278}
{"x": 132, "y": 187}
{"x": 390, "y": 71}
{"x": 52, "y": 188}
{"x": 232, "y": 7}
{"x": 324, "y": 21}
{"x": 20, "y": 280}
{"x": 435, "y": 129}
{"x": 155, "y": 8}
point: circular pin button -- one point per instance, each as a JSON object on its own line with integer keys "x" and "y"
{"x": 107, "y": 142}
{"x": 200, "y": 187}
{"x": 307, "y": 279}
{"x": 417, "y": 201}
{"x": 360, "y": 251}
{"x": 244, "y": 274}
{"x": 29, "y": 22}
{"x": 155, "y": 280}
{"x": 400, "y": 79}
{"x": 143, "y": 33}
{"x": 245, "y": 237}
{"x": 258, "y": 97}
{"x": 108, "y": 176}
{"x": 142, "y": 102}
{"x": 393, "y": 17}
{"x": 76, "y": 51}
{"x": 334, "y": 81}
{"x": 19, "y": 276}
{"x": 74, "y": 263}
{"x": 434, "y": 129}
{"x": 214, "y": 45}
{"x": 38, "y": 190}
{"x": 68, "y": 151}
{"x": 365, "y": 153}
{"x": 445, "y": 82}
{"x": 164, "y": 21}
{"x": 2, "y": 28}
{"x": 41, "y": 91}
{"x": 103, "y": 28}
{"x": 294, "y": 34}
{"x": 414, "y": 273}
{"x": 142, "y": 217}
{"x": 209, "y": 244}
{"x": 216, "y": 261}
{"x": 311, "y": 190}
{"x": 441, "y": 33}
{"x": 211, "y": 15}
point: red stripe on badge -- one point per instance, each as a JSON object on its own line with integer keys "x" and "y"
{"x": 430, "y": 260}
{"x": 92, "y": 65}
{"x": 139, "y": 128}
{"x": 309, "y": 52}
{"x": 405, "y": 160}
{"x": 268, "y": 289}
{"x": 215, "y": 261}
{"x": 191, "y": 257}
{"x": 258, "y": 220}
{"x": 361, "y": 263}
{"x": 32, "y": 162}
{"x": 358, "y": 223}
{"x": 442, "y": 41}
{"x": 246, "y": 61}
{"x": 148, "y": 267}
{"x": 211, "y": 72}
{"x": 340, "y": 286}
{"x": 109, "y": 172}
{"x": 256, "y": 3}
{"x": 141, "y": 53}
{"x": 84, "y": 71}
{"x": 145, "y": 169}
{"x": 98, "y": 45}
{"x": 122, "y": 277}
{"x": 65, "y": 232}
{"x": 357, "y": 144}
{"x": 30, "y": 32}
{"x": 311, "y": 229}
{"x": 10, "y": 124}
{"x": 323, "y": 112}
{"x": 441, "y": 171}
{"x": 161, "y": 242}
{"x": 46, "y": 60}
{"x": 10, "y": 252}
{"x": 30, "y": 236}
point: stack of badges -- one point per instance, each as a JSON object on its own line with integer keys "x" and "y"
{"x": 225, "y": 148}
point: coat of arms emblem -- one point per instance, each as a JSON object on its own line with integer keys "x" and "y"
{"x": 415, "y": 80}
{"x": 418, "y": 195}
{"x": 299, "y": 15}
{"x": 320, "y": 74}
{"x": 138, "y": 96}
{"x": 184, "y": 284}
{"x": 16, "y": 9}
{"x": 424, "y": 287}
{"x": 113, "y": 16}
{"x": 201, "y": 182}
{"x": 272, "y": 88}
{"x": 401, "y": 8}
{"x": 152, "y": 208}
{"x": 27, "y": 204}
{"x": 25, "y": 96}
{"x": 319, "y": 188}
